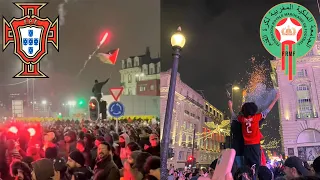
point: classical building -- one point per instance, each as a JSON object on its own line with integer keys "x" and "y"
{"x": 299, "y": 105}
{"x": 140, "y": 75}
{"x": 188, "y": 123}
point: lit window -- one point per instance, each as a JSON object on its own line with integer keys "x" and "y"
{"x": 305, "y": 109}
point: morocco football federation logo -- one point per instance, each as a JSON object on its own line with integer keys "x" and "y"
{"x": 30, "y": 35}
{"x": 288, "y": 31}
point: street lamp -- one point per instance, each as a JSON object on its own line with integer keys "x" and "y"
{"x": 44, "y": 102}
{"x": 177, "y": 41}
{"x": 234, "y": 88}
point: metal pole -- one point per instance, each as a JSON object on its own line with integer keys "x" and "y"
{"x": 192, "y": 152}
{"x": 168, "y": 116}
{"x": 117, "y": 125}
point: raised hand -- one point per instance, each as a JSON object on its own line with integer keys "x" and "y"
{"x": 230, "y": 104}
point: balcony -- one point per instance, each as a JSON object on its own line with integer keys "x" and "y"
{"x": 306, "y": 115}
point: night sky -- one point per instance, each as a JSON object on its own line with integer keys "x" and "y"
{"x": 222, "y": 36}
{"x": 132, "y": 26}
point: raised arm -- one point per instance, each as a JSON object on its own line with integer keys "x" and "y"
{"x": 265, "y": 112}
{"x": 233, "y": 115}
{"x": 106, "y": 81}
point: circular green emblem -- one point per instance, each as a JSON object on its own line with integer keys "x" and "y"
{"x": 288, "y": 23}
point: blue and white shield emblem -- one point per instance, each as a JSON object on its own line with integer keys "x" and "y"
{"x": 31, "y": 40}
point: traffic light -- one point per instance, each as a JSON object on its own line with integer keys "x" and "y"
{"x": 103, "y": 109}
{"x": 190, "y": 161}
{"x": 94, "y": 109}
{"x": 81, "y": 102}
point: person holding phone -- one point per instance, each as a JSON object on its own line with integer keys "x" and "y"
{"x": 249, "y": 120}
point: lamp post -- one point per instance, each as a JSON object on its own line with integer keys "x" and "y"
{"x": 234, "y": 88}
{"x": 177, "y": 41}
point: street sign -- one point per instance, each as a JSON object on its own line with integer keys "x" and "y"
{"x": 116, "y": 109}
{"x": 116, "y": 92}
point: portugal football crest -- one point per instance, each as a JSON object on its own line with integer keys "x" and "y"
{"x": 30, "y": 35}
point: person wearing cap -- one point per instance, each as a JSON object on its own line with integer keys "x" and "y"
{"x": 294, "y": 168}
{"x": 76, "y": 164}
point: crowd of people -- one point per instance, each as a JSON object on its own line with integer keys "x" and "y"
{"x": 250, "y": 162}
{"x": 293, "y": 168}
{"x": 80, "y": 150}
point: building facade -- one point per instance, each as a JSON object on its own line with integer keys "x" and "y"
{"x": 148, "y": 87}
{"x": 187, "y": 124}
{"x": 299, "y": 105}
{"x": 139, "y": 75}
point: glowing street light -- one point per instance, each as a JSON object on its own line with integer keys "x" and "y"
{"x": 177, "y": 42}
{"x": 72, "y": 103}
{"x": 235, "y": 88}
{"x": 44, "y": 102}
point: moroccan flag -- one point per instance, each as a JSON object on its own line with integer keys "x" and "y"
{"x": 109, "y": 57}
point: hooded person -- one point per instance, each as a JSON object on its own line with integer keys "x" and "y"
{"x": 124, "y": 139}
{"x": 88, "y": 141}
{"x": 70, "y": 138}
{"x": 20, "y": 170}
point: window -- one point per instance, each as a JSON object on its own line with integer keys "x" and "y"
{"x": 145, "y": 69}
{"x": 151, "y": 70}
{"x": 129, "y": 78}
{"x": 210, "y": 109}
{"x": 123, "y": 64}
{"x": 302, "y": 73}
{"x": 152, "y": 87}
{"x": 309, "y": 136}
{"x": 305, "y": 109}
{"x": 205, "y": 119}
{"x": 143, "y": 88}
{"x": 158, "y": 67}
{"x": 136, "y": 61}
{"x": 207, "y": 107}
{"x": 129, "y": 63}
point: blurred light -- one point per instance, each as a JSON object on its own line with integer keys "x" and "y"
{"x": 92, "y": 106}
{"x": 235, "y": 88}
{"x": 32, "y": 131}
{"x": 60, "y": 114}
{"x": 13, "y": 129}
{"x": 178, "y": 39}
{"x": 72, "y": 103}
{"x": 44, "y": 102}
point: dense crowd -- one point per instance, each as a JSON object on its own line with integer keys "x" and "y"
{"x": 292, "y": 168}
{"x": 80, "y": 150}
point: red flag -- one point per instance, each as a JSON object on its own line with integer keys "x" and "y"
{"x": 109, "y": 57}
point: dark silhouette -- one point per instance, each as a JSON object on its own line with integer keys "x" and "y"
{"x": 96, "y": 90}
